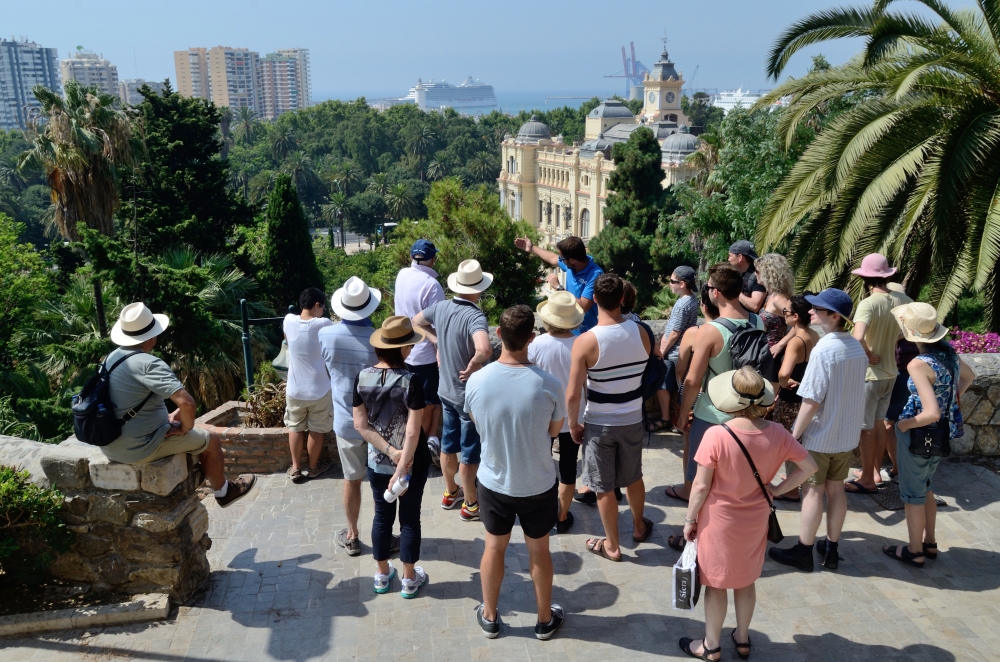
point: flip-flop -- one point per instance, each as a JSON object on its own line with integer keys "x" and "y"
{"x": 782, "y": 497}
{"x": 676, "y": 543}
{"x": 598, "y": 549}
{"x": 646, "y": 534}
{"x": 858, "y": 488}
{"x": 671, "y": 492}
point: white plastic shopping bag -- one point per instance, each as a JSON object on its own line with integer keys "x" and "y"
{"x": 687, "y": 588}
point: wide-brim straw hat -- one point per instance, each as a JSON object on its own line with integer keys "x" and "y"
{"x": 469, "y": 279}
{"x": 726, "y": 398}
{"x": 136, "y": 324}
{"x": 355, "y": 300}
{"x": 919, "y": 322}
{"x": 561, "y": 310}
{"x": 396, "y": 331}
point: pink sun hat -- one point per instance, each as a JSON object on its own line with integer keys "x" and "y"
{"x": 875, "y": 265}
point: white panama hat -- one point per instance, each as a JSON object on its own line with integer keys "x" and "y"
{"x": 469, "y": 279}
{"x": 561, "y": 310}
{"x": 355, "y": 300}
{"x": 726, "y": 398}
{"x": 136, "y": 324}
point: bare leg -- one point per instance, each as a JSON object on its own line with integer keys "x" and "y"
{"x": 296, "y": 440}
{"x": 352, "y": 506}
{"x": 213, "y": 465}
{"x": 890, "y": 444}
{"x": 636, "y": 503}
{"x": 540, "y": 562}
{"x": 607, "y": 506}
{"x": 315, "y": 448}
{"x": 880, "y": 443}
{"x": 930, "y": 518}
{"x": 663, "y": 397}
{"x": 716, "y": 602}
{"x": 491, "y": 572}
{"x": 685, "y": 489}
{"x": 449, "y": 467}
{"x": 812, "y": 512}
{"x": 868, "y": 468}
{"x": 745, "y": 599}
{"x": 836, "y": 509}
{"x": 431, "y": 420}
{"x": 468, "y": 472}
{"x": 565, "y": 500}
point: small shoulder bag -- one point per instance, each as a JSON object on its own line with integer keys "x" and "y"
{"x": 934, "y": 440}
{"x": 774, "y": 533}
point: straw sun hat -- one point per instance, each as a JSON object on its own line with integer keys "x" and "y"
{"x": 726, "y": 398}
{"x": 469, "y": 279}
{"x": 561, "y": 310}
{"x": 919, "y": 322}
{"x": 136, "y": 324}
{"x": 396, "y": 331}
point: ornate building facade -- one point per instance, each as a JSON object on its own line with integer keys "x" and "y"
{"x": 562, "y": 189}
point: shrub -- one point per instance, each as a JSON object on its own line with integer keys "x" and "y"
{"x": 966, "y": 342}
{"x": 29, "y": 520}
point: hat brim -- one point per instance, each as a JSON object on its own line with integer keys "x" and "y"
{"x": 122, "y": 339}
{"x": 336, "y": 302}
{"x": 864, "y": 273}
{"x": 560, "y": 322}
{"x": 376, "y": 340}
{"x": 725, "y": 398}
{"x": 940, "y": 331}
{"x": 458, "y": 288}
{"x": 817, "y": 300}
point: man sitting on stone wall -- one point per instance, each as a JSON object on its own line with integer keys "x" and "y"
{"x": 140, "y": 384}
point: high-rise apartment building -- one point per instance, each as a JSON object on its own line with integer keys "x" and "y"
{"x": 281, "y": 85}
{"x": 24, "y": 64}
{"x": 90, "y": 70}
{"x": 301, "y": 56}
{"x": 128, "y": 90}
{"x": 192, "y": 73}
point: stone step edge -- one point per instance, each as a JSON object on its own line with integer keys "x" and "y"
{"x": 146, "y": 607}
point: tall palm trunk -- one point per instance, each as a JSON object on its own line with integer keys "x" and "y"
{"x": 102, "y": 322}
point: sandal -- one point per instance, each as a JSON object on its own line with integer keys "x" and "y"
{"x": 596, "y": 546}
{"x": 904, "y": 555}
{"x": 685, "y": 645}
{"x": 676, "y": 543}
{"x": 930, "y": 550}
{"x": 646, "y": 533}
{"x": 657, "y": 425}
{"x": 858, "y": 488}
{"x": 671, "y": 492}
{"x": 743, "y": 656}
{"x": 785, "y": 497}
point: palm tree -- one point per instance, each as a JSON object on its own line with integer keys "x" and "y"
{"x": 260, "y": 185}
{"x": 484, "y": 166}
{"x": 379, "y": 183}
{"x": 438, "y": 169}
{"x": 299, "y": 166}
{"x": 911, "y": 166}
{"x": 419, "y": 144}
{"x": 247, "y": 127}
{"x": 399, "y": 200}
{"x": 335, "y": 210}
{"x": 83, "y": 145}
{"x": 225, "y": 122}
{"x": 281, "y": 140}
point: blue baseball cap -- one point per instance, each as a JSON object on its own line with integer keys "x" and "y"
{"x": 833, "y": 299}
{"x": 423, "y": 250}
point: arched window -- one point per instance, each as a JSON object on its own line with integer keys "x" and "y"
{"x": 585, "y": 223}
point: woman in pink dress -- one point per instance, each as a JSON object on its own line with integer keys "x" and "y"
{"x": 728, "y": 513}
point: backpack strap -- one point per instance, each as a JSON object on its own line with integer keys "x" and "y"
{"x": 131, "y": 413}
{"x": 119, "y": 361}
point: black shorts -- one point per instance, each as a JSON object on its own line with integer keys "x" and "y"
{"x": 569, "y": 451}
{"x": 429, "y": 375}
{"x": 670, "y": 380}
{"x": 537, "y": 514}
{"x": 900, "y": 394}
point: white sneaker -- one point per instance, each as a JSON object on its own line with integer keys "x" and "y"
{"x": 382, "y": 582}
{"x": 411, "y": 586}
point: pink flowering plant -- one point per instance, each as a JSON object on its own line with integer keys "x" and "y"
{"x": 966, "y": 342}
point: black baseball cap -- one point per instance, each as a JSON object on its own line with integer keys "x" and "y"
{"x": 687, "y": 274}
{"x": 743, "y": 247}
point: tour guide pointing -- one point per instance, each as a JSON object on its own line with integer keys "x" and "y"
{"x": 581, "y": 272}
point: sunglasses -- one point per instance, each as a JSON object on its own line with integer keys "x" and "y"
{"x": 712, "y": 287}
{"x": 676, "y": 282}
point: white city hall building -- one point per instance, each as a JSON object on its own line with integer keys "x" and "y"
{"x": 562, "y": 189}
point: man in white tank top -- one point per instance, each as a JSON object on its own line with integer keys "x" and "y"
{"x": 611, "y": 358}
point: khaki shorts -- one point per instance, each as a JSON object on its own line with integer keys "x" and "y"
{"x": 353, "y": 457}
{"x": 832, "y": 466}
{"x": 194, "y": 441}
{"x": 311, "y": 415}
{"x": 878, "y": 394}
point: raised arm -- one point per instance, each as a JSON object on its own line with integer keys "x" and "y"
{"x": 548, "y": 257}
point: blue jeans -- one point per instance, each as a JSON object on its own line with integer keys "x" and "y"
{"x": 459, "y": 435}
{"x": 385, "y": 516}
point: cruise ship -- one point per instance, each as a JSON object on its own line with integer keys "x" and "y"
{"x": 743, "y": 99}
{"x": 435, "y": 95}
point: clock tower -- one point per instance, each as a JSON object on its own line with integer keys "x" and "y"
{"x": 662, "y": 88}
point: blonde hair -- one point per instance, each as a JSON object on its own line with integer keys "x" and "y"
{"x": 748, "y": 380}
{"x": 774, "y": 274}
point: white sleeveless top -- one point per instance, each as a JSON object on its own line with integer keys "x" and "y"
{"x": 619, "y": 369}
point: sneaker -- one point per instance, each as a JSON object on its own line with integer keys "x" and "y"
{"x": 452, "y": 499}
{"x": 320, "y": 469}
{"x": 469, "y": 513}
{"x": 296, "y": 476}
{"x": 800, "y": 556}
{"x": 352, "y": 546}
{"x": 237, "y": 488}
{"x": 383, "y": 582}
{"x": 586, "y": 498}
{"x": 411, "y": 586}
{"x": 544, "y": 631}
{"x": 490, "y": 628}
{"x": 434, "y": 445}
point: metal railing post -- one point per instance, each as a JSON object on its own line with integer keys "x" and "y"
{"x": 247, "y": 356}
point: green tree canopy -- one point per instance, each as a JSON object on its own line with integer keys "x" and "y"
{"x": 289, "y": 263}
{"x": 23, "y": 283}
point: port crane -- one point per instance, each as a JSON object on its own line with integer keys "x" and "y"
{"x": 632, "y": 70}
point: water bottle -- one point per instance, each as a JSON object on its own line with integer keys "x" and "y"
{"x": 396, "y": 489}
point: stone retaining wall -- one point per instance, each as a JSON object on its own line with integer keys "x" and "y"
{"x": 138, "y": 529}
{"x": 256, "y": 450}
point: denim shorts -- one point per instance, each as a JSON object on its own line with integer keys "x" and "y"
{"x": 459, "y": 435}
{"x": 430, "y": 377}
{"x": 916, "y": 474}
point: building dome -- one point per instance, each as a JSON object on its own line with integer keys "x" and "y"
{"x": 533, "y": 130}
{"x": 611, "y": 108}
{"x": 599, "y": 144}
{"x": 677, "y": 146}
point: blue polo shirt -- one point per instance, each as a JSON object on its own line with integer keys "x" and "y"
{"x": 581, "y": 285}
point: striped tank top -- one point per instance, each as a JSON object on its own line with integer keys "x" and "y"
{"x": 620, "y": 364}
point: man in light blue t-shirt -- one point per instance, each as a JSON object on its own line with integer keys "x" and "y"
{"x": 517, "y": 408}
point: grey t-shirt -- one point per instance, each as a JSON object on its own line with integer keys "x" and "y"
{"x": 455, "y": 320}
{"x": 512, "y": 408}
{"x": 129, "y": 384}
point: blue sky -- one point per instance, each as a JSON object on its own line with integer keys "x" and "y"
{"x": 380, "y": 48}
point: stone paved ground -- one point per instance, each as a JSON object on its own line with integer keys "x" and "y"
{"x": 280, "y": 590}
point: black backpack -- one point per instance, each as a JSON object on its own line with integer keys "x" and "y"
{"x": 748, "y": 346}
{"x": 94, "y": 420}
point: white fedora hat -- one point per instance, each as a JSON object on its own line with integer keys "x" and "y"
{"x": 919, "y": 322}
{"x": 136, "y": 324}
{"x": 469, "y": 279}
{"x": 561, "y": 310}
{"x": 355, "y": 300}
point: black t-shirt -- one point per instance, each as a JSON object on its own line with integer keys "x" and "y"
{"x": 750, "y": 284}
